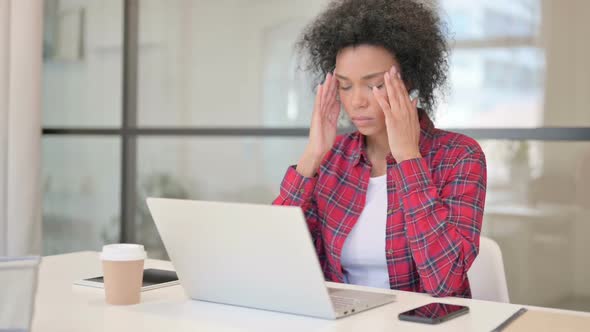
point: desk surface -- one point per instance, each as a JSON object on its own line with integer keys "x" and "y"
{"x": 62, "y": 306}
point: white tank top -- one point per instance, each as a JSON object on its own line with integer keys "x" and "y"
{"x": 363, "y": 254}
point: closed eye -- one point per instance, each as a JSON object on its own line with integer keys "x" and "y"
{"x": 380, "y": 86}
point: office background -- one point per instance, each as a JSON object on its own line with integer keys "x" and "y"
{"x": 201, "y": 99}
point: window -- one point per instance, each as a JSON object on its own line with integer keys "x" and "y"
{"x": 140, "y": 97}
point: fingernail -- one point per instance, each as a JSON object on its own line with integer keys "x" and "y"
{"x": 399, "y": 76}
{"x": 393, "y": 70}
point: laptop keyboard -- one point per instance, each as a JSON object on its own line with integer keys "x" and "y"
{"x": 344, "y": 302}
{"x": 347, "y": 298}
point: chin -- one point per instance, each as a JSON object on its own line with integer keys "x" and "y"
{"x": 368, "y": 131}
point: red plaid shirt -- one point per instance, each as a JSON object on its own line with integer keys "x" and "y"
{"x": 434, "y": 208}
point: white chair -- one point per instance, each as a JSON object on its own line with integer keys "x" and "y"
{"x": 18, "y": 277}
{"x": 486, "y": 275}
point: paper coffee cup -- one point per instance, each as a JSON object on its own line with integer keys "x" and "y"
{"x": 122, "y": 266}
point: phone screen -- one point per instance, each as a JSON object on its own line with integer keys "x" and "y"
{"x": 434, "y": 313}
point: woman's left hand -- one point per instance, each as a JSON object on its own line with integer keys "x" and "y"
{"x": 401, "y": 117}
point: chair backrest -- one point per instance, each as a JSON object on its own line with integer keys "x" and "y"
{"x": 486, "y": 275}
{"x": 18, "y": 280}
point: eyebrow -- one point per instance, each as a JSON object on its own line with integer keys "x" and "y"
{"x": 366, "y": 77}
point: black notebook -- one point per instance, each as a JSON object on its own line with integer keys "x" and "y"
{"x": 152, "y": 279}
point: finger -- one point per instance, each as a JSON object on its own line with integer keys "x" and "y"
{"x": 381, "y": 92}
{"x": 412, "y": 103}
{"x": 393, "y": 103}
{"x": 402, "y": 92}
{"x": 405, "y": 103}
{"x": 409, "y": 108}
{"x": 333, "y": 105}
{"x": 398, "y": 83}
{"x": 382, "y": 102}
{"x": 334, "y": 116}
{"x": 332, "y": 93}
{"x": 329, "y": 87}
{"x": 318, "y": 101}
{"x": 332, "y": 109}
{"x": 326, "y": 89}
{"x": 333, "y": 85}
{"x": 336, "y": 86}
{"x": 415, "y": 110}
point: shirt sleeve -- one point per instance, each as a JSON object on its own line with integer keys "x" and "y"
{"x": 298, "y": 190}
{"x": 443, "y": 227}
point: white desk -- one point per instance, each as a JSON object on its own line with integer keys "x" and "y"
{"x": 63, "y": 307}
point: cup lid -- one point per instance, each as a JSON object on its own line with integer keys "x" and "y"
{"x": 122, "y": 252}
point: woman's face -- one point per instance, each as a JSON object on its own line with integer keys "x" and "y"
{"x": 358, "y": 70}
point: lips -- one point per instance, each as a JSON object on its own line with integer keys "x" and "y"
{"x": 361, "y": 118}
{"x": 362, "y": 121}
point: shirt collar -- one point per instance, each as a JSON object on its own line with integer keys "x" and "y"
{"x": 426, "y": 131}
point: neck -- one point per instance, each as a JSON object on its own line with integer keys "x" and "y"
{"x": 378, "y": 145}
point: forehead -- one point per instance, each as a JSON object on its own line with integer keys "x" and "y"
{"x": 358, "y": 61}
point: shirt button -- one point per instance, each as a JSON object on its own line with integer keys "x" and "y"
{"x": 390, "y": 211}
{"x": 302, "y": 190}
{"x": 390, "y": 252}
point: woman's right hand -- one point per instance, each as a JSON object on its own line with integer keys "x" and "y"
{"x": 324, "y": 122}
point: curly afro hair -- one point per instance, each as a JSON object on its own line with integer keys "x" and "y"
{"x": 410, "y": 29}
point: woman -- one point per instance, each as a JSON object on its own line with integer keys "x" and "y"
{"x": 398, "y": 203}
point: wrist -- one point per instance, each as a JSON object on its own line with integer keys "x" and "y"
{"x": 312, "y": 153}
{"x": 309, "y": 164}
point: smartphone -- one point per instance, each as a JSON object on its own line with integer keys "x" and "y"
{"x": 434, "y": 313}
{"x": 152, "y": 279}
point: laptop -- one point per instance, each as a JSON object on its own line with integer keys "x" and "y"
{"x": 255, "y": 256}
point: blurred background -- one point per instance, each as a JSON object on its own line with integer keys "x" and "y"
{"x": 202, "y": 99}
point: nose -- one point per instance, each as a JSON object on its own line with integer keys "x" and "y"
{"x": 359, "y": 99}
